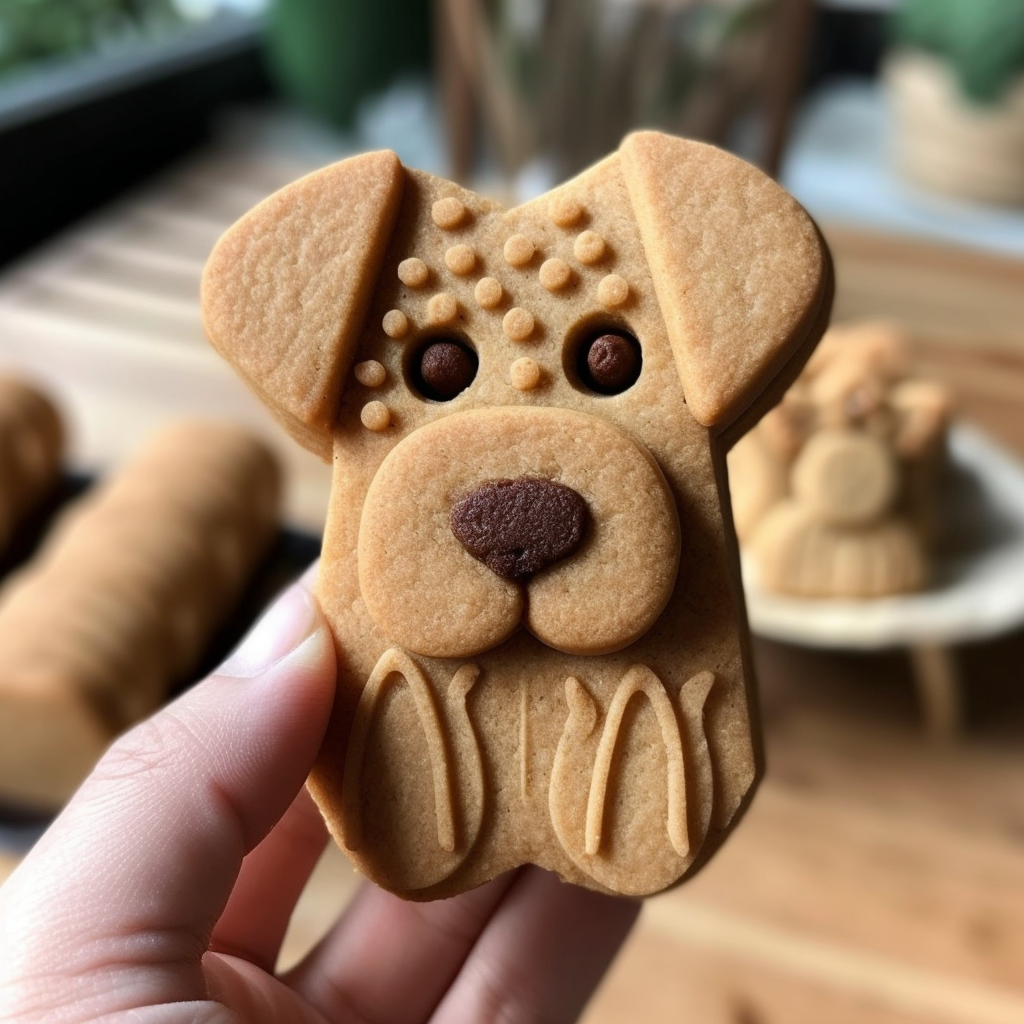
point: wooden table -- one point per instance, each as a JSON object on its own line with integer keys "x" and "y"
{"x": 876, "y": 878}
{"x": 966, "y": 312}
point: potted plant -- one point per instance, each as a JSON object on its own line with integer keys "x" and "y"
{"x": 956, "y": 80}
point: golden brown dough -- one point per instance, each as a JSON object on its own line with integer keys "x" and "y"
{"x": 834, "y": 491}
{"x": 122, "y": 599}
{"x": 31, "y": 449}
{"x": 521, "y": 680}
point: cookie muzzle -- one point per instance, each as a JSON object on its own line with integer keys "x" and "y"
{"x": 519, "y": 527}
{"x": 482, "y": 483}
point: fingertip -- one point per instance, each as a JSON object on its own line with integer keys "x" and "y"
{"x": 280, "y": 631}
{"x": 266, "y": 709}
{"x": 309, "y": 575}
{"x": 153, "y": 841}
{"x": 549, "y": 944}
{"x": 607, "y": 911}
{"x": 250, "y": 731}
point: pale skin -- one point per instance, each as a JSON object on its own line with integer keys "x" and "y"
{"x": 162, "y": 893}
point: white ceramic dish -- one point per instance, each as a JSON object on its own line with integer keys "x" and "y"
{"x": 977, "y": 590}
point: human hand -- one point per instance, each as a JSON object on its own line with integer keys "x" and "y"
{"x": 162, "y": 893}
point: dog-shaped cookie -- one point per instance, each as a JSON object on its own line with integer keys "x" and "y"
{"x": 835, "y": 491}
{"x": 528, "y": 565}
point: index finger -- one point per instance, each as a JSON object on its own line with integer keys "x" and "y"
{"x": 115, "y": 905}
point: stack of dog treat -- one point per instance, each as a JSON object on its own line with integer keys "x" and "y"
{"x": 834, "y": 491}
{"x": 124, "y": 594}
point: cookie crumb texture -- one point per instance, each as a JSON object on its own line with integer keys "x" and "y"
{"x": 529, "y": 570}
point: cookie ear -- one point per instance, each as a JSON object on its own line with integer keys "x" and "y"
{"x": 286, "y": 289}
{"x": 742, "y": 274}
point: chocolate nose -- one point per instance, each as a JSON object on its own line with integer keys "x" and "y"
{"x": 518, "y": 527}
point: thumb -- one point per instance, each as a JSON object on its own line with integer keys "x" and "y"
{"x": 118, "y": 899}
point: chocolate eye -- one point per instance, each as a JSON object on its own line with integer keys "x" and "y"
{"x": 610, "y": 362}
{"x": 443, "y": 369}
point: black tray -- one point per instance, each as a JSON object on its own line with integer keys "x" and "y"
{"x": 116, "y": 119}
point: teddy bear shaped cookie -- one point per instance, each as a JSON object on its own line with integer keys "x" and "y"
{"x": 528, "y": 563}
{"x": 834, "y": 491}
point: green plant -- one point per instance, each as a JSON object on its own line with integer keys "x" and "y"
{"x": 982, "y": 39}
{"x": 32, "y": 30}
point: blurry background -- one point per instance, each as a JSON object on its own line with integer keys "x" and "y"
{"x": 879, "y": 875}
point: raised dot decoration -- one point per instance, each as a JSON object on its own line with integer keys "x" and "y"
{"x": 413, "y": 272}
{"x": 519, "y": 251}
{"x": 565, "y": 210}
{"x": 448, "y": 213}
{"x": 612, "y": 291}
{"x": 524, "y": 374}
{"x": 376, "y": 416}
{"x": 395, "y": 323}
{"x": 370, "y": 373}
{"x": 555, "y": 274}
{"x": 518, "y": 324}
{"x": 460, "y": 260}
{"x": 589, "y": 247}
{"x": 488, "y": 293}
{"x": 442, "y": 308}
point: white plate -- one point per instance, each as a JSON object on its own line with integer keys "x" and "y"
{"x": 978, "y": 570}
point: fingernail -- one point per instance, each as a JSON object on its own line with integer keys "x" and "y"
{"x": 281, "y": 629}
{"x": 308, "y": 578}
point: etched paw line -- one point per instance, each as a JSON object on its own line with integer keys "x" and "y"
{"x": 581, "y": 721}
{"x": 396, "y": 664}
{"x": 639, "y": 679}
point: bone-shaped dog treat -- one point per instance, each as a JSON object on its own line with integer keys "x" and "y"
{"x": 31, "y": 447}
{"x": 122, "y": 599}
{"x": 528, "y": 564}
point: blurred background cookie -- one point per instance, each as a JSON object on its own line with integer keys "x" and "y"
{"x": 31, "y": 450}
{"x": 123, "y": 598}
{"x": 834, "y": 491}
{"x": 875, "y": 877}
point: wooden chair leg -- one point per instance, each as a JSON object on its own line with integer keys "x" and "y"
{"x": 938, "y": 690}
{"x": 456, "y": 89}
{"x": 785, "y": 76}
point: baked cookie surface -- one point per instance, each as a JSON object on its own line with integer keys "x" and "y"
{"x": 528, "y": 565}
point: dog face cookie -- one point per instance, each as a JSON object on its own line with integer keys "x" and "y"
{"x": 528, "y": 563}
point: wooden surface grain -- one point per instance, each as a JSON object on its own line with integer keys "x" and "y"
{"x": 876, "y": 878}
